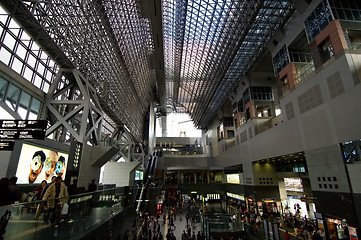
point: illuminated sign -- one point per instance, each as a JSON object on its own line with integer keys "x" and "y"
{"x": 334, "y": 221}
{"x": 293, "y": 184}
{"x": 233, "y": 178}
{"x": 236, "y": 196}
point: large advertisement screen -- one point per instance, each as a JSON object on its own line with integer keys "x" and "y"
{"x": 233, "y": 178}
{"x": 294, "y": 184}
{"x": 38, "y": 163}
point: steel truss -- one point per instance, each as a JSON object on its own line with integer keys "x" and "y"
{"x": 210, "y": 45}
{"x": 107, "y": 40}
{"x": 129, "y": 149}
{"x": 73, "y": 109}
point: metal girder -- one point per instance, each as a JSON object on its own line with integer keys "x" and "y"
{"x": 107, "y": 40}
{"x": 75, "y": 110}
{"x": 129, "y": 149}
{"x": 219, "y": 43}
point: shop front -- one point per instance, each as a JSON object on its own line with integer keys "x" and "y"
{"x": 269, "y": 207}
{"x": 338, "y": 229}
{"x": 236, "y": 204}
{"x": 251, "y": 205}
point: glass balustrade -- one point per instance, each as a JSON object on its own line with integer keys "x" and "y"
{"x": 73, "y": 218}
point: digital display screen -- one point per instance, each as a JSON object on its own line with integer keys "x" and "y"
{"x": 38, "y": 163}
{"x": 138, "y": 175}
{"x": 233, "y": 178}
{"x": 293, "y": 184}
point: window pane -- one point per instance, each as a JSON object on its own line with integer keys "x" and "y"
{"x": 41, "y": 69}
{"x": 3, "y": 86}
{"x": 5, "y": 56}
{"x": 25, "y": 36}
{"x": 12, "y": 96}
{"x": 37, "y": 81}
{"x": 46, "y": 87}
{"x": 9, "y": 41}
{"x": 21, "y": 51}
{"x": 28, "y": 74}
{"x": 34, "y": 109}
{"x": 3, "y": 18}
{"x": 31, "y": 60}
{"x": 14, "y": 27}
{"x": 17, "y": 65}
{"x": 35, "y": 47}
{"x": 24, "y": 101}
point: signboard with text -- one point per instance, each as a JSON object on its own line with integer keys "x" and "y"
{"x": 22, "y": 129}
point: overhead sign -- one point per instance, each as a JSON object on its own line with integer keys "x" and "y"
{"x": 236, "y": 196}
{"x": 22, "y": 129}
{"x": 23, "y": 124}
{"x": 22, "y": 134}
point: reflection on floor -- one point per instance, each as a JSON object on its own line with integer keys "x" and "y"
{"x": 181, "y": 225}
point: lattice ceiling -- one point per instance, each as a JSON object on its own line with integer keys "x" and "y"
{"x": 208, "y": 46}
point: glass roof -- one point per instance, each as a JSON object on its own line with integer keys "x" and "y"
{"x": 110, "y": 42}
{"x": 210, "y": 44}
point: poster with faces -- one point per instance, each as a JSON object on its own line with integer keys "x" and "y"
{"x": 37, "y": 164}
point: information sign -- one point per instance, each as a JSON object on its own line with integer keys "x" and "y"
{"x": 22, "y": 129}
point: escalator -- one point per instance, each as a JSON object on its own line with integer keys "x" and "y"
{"x": 147, "y": 198}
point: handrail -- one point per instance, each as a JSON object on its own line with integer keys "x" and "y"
{"x": 84, "y": 213}
{"x": 69, "y": 196}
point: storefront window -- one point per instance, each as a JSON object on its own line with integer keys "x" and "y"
{"x": 171, "y": 178}
{"x": 189, "y": 177}
{"x": 216, "y": 176}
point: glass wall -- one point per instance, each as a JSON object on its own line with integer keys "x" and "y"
{"x": 23, "y": 55}
{"x": 19, "y": 101}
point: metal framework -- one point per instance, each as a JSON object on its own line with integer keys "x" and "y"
{"x": 210, "y": 45}
{"x": 107, "y": 40}
{"x": 129, "y": 149}
{"x": 74, "y": 108}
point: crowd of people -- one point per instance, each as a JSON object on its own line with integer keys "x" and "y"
{"x": 173, "y": 210}
{"x": 55, "y": 195}
{"x": 306, "y": 229}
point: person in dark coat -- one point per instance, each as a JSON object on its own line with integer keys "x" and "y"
{"x": 14, "y": 190}
{"x": 38, "y": 190}
{"x": 73, "y": 188}
{"x": 92, "y": 186}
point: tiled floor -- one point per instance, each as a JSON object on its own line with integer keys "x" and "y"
{"x": 180, "y": 224}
